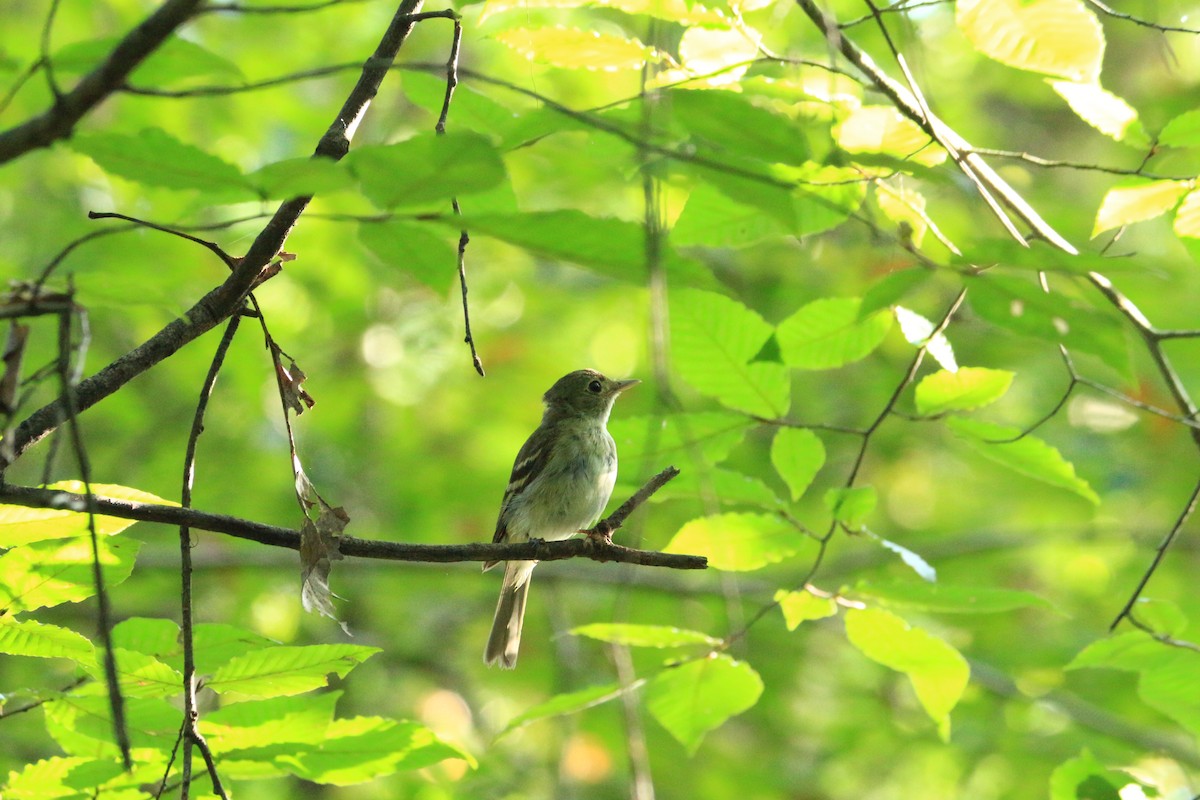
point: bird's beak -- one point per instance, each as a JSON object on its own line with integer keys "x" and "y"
{"x": 623, "y": 385}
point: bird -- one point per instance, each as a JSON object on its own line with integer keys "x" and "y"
{"x": 561, "y": 481}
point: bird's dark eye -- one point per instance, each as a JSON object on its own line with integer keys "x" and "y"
{"x": 594, "y": 387}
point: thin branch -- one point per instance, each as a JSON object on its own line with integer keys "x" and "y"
{"x": 191, "y": 716}
{"x": 226, "y": 299}
{"x": 59, "y": 121}
{"x": 240, "y": 8}
{"x": 1138, "y": 21}
{"x": 1159, "y": 554}
{"x": 69, "y": 379}
{"x": 215, "y": 248}
{"x": 46, "y": 61}
{"x": 359, "y": 548}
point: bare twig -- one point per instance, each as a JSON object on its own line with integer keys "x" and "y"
{"x": 215, "y": 248}
{"x": 1159, "y": 553}
{"x": 69, "y": 378}
{"x": 58, "y": 122}
{"x": 1138, "y": 21}
{"x": 226, "y": 299}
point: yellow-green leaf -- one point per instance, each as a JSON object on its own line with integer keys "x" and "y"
{"x": 738, "y": 542}
{"x": 798, "y": 607}
{"x": 1104, "y": 111}
{"x": 882, "y": 129}
{"x": 628, "y": 633}
{"x": 1124, "y": 205}
{"x": 1055, "y": 37}
{"x": 797, "y": 455}
{"x": 1187, "y": 217}
{"x": 938, "y": 672}
{"x": 969, "y": 388}
{"x": 827, "y": 333}
{"x": 577, "y": 49}
{"x": 692, "y": 699}
{"x": 20, "y": 525}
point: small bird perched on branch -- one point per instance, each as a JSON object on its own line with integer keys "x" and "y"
{"x": 560, "y": 484}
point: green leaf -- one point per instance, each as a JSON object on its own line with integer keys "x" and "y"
{"x": 82, "y": 724}
{"x": 738, "y": 542}
{"x": 215, "y": 644}
{"x": 1028, "y": 455}
{"x": 713, "y": 339}
{"x": 1085, "y": 778}
{"x": 1167, "y": 676}
{"x": 175, "y": 60}
{"x": 1187, "y": 217}
{"x": 920, "y": 332}
{"x": 732, "y": 124}
{"x": 1055, "y": 37}
{"x": 707, "y": 437}
{"x": 156, "y": 158}
{"x": 612, "y": 247}
{"x": 29, "y": 638}
{"x": 426, "y": 167}
{"x": 851, "y": 506}
{"x": 60, "y": 776}
{"x": 803, "y": 606}
{"x": 727, "y": 486}
{"x": 969, "y": 388}
{"x": 154, "y": 637}
{"x": 569, "y": 703}
{"x": 889, "y": 289}
{"x": 470, "y": 109}
{"x": 49, "y": 573}
{"x": 938, "y": 672}
{"x": 827, "y": 333}
{"x": 713, "y": 219}
{"x": 363, "y": 748}
{"x": 1104, "y": 111}
{"x": 696, "y": 697}
{"x": 797, "y": 455}
{"x": 572, "y": 48}
{"x": 940, "y": 598}
{"x": 670, "y": 10}
{"x": 20, "y": 525}
{"x": 1136, "y": 202}
{"x": 411, "y": 247}
{"x": 280, "y": 671}
{"x": 1160, "y": 616}
{"x": 1022, "y": 307}
{"x": 1182, "y": 131}
{"x": 262, "y": 723}
{"x": 633, "y": 635}
{"x": 300, "y": 177}
{"x": 140, "y": 675}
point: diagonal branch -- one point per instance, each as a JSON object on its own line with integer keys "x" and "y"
{"x": 60, "y": 120}
{"x": 226, "y": 299}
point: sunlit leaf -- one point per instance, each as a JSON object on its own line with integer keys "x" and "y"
{"x": 49, "y": 573}
{"x": 1187, "y": 216}
{"x": 1125, "y": 205}
{"x": 797, "y": 456}
{"x": 968, "y": 388}
{"x": 282, "y": 671}
{"x": 363, "y": 748}
{"x": 20, "y": 525}
{"x": 827, "y": 333}
{"x": 261, "y": 723}
{"x": 738, "y": 542}
{"x": 1056, "y": 37}
{"x": 670, "y": 10}
{"x": 938, "y": 672}
{"x": 1104, "y": 111}
{"x": 696, "y": 697}
{"x": 1027, "y": 455}
{"x": 912, "y": 559}
{"x": 577, "y": 49}
{"x": 798, "y": 607}
{"x": 29, "y": 638}
{"x": 883, "y": 129}
{"x": 905, "y": 207}
{"x": 635, "y": 635}
{"x": 713, "y": 339}
{"x": 1085, "y": 777}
